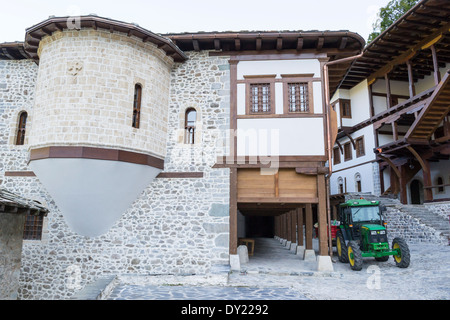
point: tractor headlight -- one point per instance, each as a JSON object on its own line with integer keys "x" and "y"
{"x": 383, "y": 232}
{"x": 373, "y": 233}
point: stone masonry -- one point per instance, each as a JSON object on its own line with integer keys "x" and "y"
{"x": 176, "y": 226}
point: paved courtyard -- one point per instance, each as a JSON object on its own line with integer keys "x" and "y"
{"x": 275, "y": 273}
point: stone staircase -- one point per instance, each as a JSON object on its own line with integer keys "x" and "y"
{"x": 415, "y": 222}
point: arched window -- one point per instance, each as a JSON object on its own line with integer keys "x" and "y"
{"x": 21, "y": 129}
{"x": 358, "y": 185}
{"x": 137, "y": 106}
{"x": 340, "y": 185}
{"x": 189, "y": 125}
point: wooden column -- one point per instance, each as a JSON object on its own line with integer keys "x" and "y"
{"x": 437, "y": 74}
{"x": 308, "y": 227}
{"x": 412, "y": 88}
{"x": 402, "y": 182}
{"x": 293, "y": 226}
{"x": 300, "y": 220}
{"x": 394, "y": 131}
{"x": 289, "y": 226}
{"x": 322, "y": 216}
{"x": 233, "y": 211}
{"x": 388, "y": 91}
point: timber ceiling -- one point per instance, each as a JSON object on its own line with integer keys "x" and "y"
{"x": 429, "y": 19}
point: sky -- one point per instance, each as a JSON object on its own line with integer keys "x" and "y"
{"x": 177, "y": 16}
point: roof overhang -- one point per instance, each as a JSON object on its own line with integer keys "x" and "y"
{"x": 334, "y": 45}
{"x": 12, "y": 51}
{"x": 46, "y": 28}
{"x": 427, "y": 23}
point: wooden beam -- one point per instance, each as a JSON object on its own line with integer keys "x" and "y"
{"x": 299, "y": 44}
{"x": 196, "y": 45}
{"x": 258, "y": 44}
{"x": 217, "y": 44}
{"x": 279, "y": 44}
{"x": 437, "y": 74}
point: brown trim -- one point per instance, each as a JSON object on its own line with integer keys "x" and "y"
{"x": 277, "y": 200}
{"x": 96, "y": 154}
{"x": 289, "y": 115}
{"x": 356, "y": 165}
{"x": 20, "y": 174}
{"x": 283, "y": 162}
{"x": 180, "y": 175}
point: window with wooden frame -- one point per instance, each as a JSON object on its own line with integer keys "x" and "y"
{"x": 137, "y": 106}
{"x": 298, "y": 93}
{"x": 360, "y": 149}
{"x": 21, "y": 129}
{"x": 260, "y": 95}
{"x": 336, "y": 156}
{"x": 189, "y": 125}
{"x": 33, "y": 228}
{"x": 345, "y": 108}
{"x": 348, "y": 152}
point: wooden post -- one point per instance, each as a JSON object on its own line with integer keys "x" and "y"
{"x": 288, "y": 227}
{"x": 293, "y": 226}
{"x": 322, "y": 215}
{"x": 308, "y": 227}
{"x": 412, "y": 88}
{"x": 394, "y": 130}
{"x": 388, "y": 91}
{"x": 233, "y": 211}
{"x": 437, "y": 74}
{"x": 300, "y": 220}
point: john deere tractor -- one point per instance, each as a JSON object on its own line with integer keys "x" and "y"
{"x": 362, "y": 233}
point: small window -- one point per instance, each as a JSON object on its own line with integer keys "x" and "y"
{"x": 346, "y": 108}
{"x": 340, "y": 185}
{"x": 298, "y": 97}
{"x": 33, "y": 228}
{"x": 20, "y": 139}
{"x": 360, "y": 150}
{"x": 260, "y": 98}
{"x": 190, "y": 123}
{"x": 358, "y": 185}
{"x": 137, "y": 106}
{"x": 336, "y": 156}
{"x": 348, "y": 152}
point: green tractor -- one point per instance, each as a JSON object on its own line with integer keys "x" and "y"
{"x": 362, "y": 233}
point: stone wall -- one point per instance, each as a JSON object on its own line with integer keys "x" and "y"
{"x": 85, "y": 92}
{"x": 177, "y": 225}
{"x": 11, "y": 234}
{"x": 405, "y": 226}
{"x": 440, "y": 208}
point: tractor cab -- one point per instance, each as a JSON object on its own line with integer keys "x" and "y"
{"x": 356, "y": 214}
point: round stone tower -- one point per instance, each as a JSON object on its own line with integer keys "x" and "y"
{"x": 99, "y": 128}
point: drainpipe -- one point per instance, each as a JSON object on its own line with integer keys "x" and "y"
{"x": 329, "y": 146}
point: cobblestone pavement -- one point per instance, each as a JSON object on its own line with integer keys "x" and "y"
{"x": 137, "y": 292}
{"x": 281, "y": 275}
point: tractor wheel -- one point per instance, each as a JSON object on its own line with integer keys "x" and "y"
{"x": 402, "y": 260}
{"x": 341, "y": 248}
{"x": 355, "y": 256}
